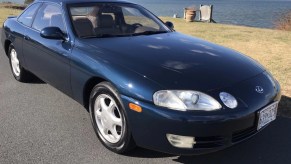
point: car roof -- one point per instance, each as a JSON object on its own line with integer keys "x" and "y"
{"x": 83, "y": 1}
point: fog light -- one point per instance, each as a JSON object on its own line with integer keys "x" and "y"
{"x": 228, "y": 100}
{"x": 181, "y": 141}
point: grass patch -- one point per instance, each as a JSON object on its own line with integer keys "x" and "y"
{"x": 272, "y": 48}
{"x": 5, "y": 12}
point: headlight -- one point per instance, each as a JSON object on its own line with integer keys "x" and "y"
{"x": 185, "y": 100}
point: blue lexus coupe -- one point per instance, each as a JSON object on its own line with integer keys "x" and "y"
{"x": 143, "y": 83}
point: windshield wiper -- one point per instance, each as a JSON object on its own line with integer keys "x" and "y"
{"x": 149, "y": 33}
{"x": 114, "y": 35}
{"x": 104, "y": 36}
{"x": 108, "y": 35}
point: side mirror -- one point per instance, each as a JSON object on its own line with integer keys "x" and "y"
{"x": 52, "y": 33}
{"x": 170, "y": 25}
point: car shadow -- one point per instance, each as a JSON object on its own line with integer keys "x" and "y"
{"x": 145, "y": 153}
{"x": 36, "y": 80}
{"x": 285, "y": 107}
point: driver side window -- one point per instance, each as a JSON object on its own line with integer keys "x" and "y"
{"x": 133, "y": 16}
{"x": 49, "y": 16}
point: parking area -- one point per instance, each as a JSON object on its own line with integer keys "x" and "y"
{"x": 39, "y": 124}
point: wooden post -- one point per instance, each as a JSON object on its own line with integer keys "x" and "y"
{"x": 211, "y": 19}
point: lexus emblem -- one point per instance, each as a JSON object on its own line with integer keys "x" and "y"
{"x": 259, "y": 89}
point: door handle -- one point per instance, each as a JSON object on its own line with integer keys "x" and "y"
{"x": 26, "y": 37}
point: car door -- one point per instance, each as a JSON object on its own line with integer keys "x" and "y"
{"x": 17, "y": 33}
{"x": 48, "y": 58}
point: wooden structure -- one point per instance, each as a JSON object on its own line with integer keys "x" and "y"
{"x": 205, "y": 13}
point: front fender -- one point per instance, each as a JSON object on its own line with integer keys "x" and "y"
{"x": 87, "y": 63}
{"x": 13, "y": 32}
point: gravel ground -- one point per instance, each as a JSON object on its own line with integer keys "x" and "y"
{"x": 39, "y": 124}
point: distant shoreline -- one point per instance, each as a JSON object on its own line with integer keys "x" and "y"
{"x": 19, "y": 2}
{"x": 12, "y": 5}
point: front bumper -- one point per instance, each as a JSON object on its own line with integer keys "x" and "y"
{"x": 212, "y": 131}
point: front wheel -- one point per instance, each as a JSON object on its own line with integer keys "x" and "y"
{"x": 109, "y": 119}
{"x": 19, "y": 73}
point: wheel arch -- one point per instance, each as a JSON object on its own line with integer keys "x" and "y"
{"x": 7, "y": 43}
{"x": 90, "y": 84}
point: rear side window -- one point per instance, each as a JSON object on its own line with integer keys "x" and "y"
{"x": 26, "y": 17}
{"x": 49, "y": 16}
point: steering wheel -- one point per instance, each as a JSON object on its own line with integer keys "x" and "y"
{"x": 136, "y": 25}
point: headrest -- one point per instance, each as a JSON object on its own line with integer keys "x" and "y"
{"x": 106, "y": 21}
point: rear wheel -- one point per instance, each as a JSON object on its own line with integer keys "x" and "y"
{"x": 19, "y": 73}
{"x": 109, "y": 119}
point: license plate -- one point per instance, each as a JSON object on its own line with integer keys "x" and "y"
{"x": 267, "y": 115}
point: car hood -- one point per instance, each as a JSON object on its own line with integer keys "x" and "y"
{"x": 178, "y": 61}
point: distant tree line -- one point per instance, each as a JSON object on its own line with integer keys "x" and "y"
{"x": 28, "y": 2}
{"x": 10, "y": 5}
{"x": 284, "y": 21}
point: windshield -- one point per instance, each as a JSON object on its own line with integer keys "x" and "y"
{"x": 113, "y": 20}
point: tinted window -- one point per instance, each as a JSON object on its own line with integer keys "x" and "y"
{"x": 113, "y": 20}
{"x": 26, "y": 17}
{"x": 81, "y": 10}
{"x": 133, "y": 16}
{"x": 49, "y": 16}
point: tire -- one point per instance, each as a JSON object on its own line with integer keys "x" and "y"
{"x": 109, "y": 119}
{"x": 19, "y": 73}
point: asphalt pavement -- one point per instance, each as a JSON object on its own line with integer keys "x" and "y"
{"x": 39, "y": 124}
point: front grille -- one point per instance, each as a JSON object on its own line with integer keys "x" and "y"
{"x": 222, "y": 141}
{"x": 209, "y": 142}
{"x": 243, "y": 134}
{"x": 226, "y": 140}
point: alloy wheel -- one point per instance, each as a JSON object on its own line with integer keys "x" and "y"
{"x": 14, "y": 62}
{"x": 108, "y": 118}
